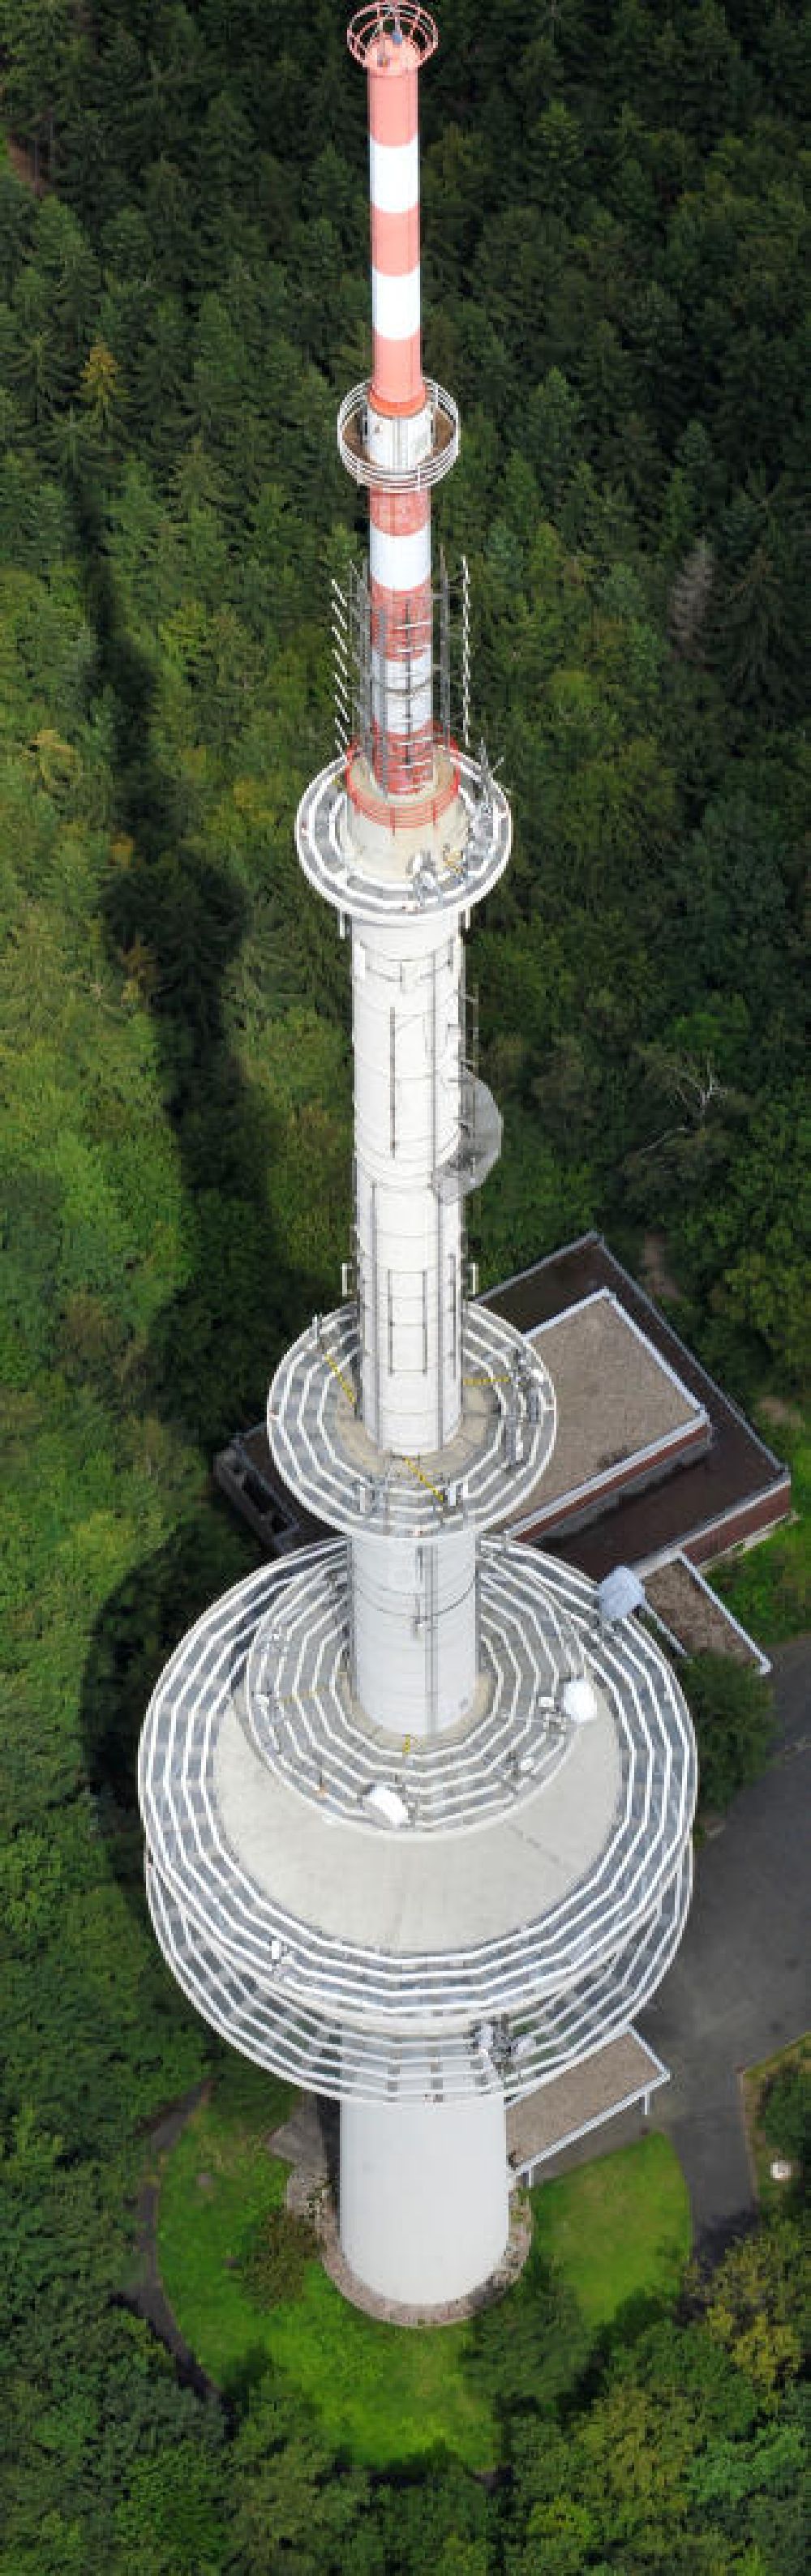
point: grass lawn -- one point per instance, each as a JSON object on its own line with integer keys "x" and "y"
{"x": 617, "y": 2229}
{"x": 769, "y": 1587}
{"x": 756, "y": 2083}
{"x": 385, "y": 2394}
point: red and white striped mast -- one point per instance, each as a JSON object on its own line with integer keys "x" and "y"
{"x": 404, "y": 832}
{"x": 393, "y": 45}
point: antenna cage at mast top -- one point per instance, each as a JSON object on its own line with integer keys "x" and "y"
{"x": 378, "y": 25}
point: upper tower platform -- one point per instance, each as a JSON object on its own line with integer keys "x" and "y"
{"x": 396, "y": 858}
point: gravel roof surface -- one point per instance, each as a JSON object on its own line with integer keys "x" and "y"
{"x": 588, "y": 2092}
{"x": 732, "y": 1472}
{"x": 615, "y": 1395}
{"x": 699, "y": 1624}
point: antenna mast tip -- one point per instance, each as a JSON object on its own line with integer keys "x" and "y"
{"x": 404, "y": 25}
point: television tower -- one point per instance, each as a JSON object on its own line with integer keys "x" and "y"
{"x": 418, "y": 1822}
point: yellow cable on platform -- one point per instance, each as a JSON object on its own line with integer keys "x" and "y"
{"x": 416, "y": 1470}
{"x": 343, "y": 1381}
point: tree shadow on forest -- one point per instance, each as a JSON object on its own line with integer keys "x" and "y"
{"x": 177, "y": 919}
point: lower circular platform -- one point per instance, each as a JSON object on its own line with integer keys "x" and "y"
{"x": 262, "y": 2018}
{"x": 384, "y": 1962}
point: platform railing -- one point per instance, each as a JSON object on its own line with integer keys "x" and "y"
{"x": 426, "y": 471}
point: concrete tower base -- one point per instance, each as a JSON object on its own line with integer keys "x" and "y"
{"x": 424, "y": 2202}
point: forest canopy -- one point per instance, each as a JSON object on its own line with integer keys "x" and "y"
{"x": 616, "y": 264}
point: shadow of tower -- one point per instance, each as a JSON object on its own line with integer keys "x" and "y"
{"x": 211, "y": 1353}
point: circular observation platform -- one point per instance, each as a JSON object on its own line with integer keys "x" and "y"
{"x": 481, "y": 1477}
{"x": 400, "y": 858}
{"x": 393, "y": 1963}
{"x": 353, "y": 443}
{"x": 323, "y": 2054}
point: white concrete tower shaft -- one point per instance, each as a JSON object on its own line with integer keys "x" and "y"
{"x": 408, "y": 1040}
{"x": 414, "y": 1626}
{"x": 417, "y": 1831}
{"x": 407, "y": 982}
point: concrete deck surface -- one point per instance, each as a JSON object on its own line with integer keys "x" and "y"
{"x": 616, "y": 1397}
{"x": 410, "y": 1893}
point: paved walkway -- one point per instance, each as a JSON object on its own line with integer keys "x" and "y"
{"x": 148, "y": 2298}
{"x": 740, "y": 1987}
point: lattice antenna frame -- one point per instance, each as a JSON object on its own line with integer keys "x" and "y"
{"x": 341, "y": 685}
{"x": 465, "y": 573}
{"x": 444, "y": 649}
{"x": 358, "y": 700}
